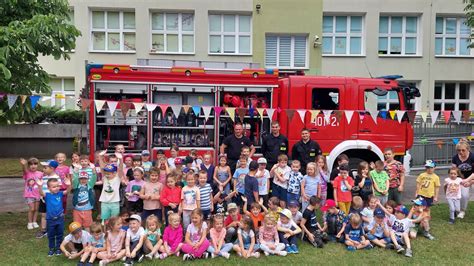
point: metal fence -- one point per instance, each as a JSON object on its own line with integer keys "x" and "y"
{"x": 437, "y": 142}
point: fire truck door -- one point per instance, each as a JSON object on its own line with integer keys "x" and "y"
{"x": 385, "y": 132}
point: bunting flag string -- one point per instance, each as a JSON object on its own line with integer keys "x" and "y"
{"x": 270, "y": 113}
{"x": 302, "y": 114}
{"x": 138, "y": 107}
{"x": 112, "y": 106}
{"x": 349, "y": 115}
{"x": 176, "y": 110}
{"x": 260, "y": 112}
{"x": 98, "y": 105}
{"x": 290, "y": 113}
{"x": 434, "y": 117}
{"x": 374, "y": 115}
{"x": 11, "y": 98}
{"x": 231, "y": 112}
{"x": 151, "y": 107}
{"x": 207, "y": 112}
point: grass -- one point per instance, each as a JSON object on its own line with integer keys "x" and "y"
{"x": 454, "y": 245}
{"x": 12, "y": 167}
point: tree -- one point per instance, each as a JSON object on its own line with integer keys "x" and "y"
{"x": 28, "y": 29}
{"x": 469, "y": 9}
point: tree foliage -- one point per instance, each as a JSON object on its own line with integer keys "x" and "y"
{"x": 28, "y": 29}
{"x": 469, "y": 9}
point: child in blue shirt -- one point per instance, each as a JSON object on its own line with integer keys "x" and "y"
{"x": 54, "y": 213}
{"x": 239, "y": 179}
{"x": 294, "y": 181}
{"x": 354, "y": 232}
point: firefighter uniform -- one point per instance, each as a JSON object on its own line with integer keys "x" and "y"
{"x": 305, "y": 153}
{"x": 272, "y": 147}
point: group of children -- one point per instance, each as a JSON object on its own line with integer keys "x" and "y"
{"x": 208, "y": 211}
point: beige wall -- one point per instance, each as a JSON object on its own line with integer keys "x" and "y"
{"x": 425, "y": 68}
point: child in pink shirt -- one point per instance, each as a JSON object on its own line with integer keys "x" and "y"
{"x": 31, "y": 193}
{"x": 195, "y": 242}
{"x": 268, "y": 236}
{"x": 172, "y": 236}
{"x": 218, "y": 246}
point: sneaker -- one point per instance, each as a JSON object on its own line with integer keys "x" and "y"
{"x": 187, "y": 257}
{"x": 225, "y": 255}
{"x": 369, "y": 246}
{"x": 428, "y": 235}
{"x": 128, "y": 263}
{"x": 256, "y": 254}
{"x": 289, "y": 249}
{"x": 41, "y": 234}
{"x": 390, "y": 246}
{"x": 30, "y": 226}
{"x": 295, "y": 249}
{"x": 163, "y": 256}
{"x": 451, "y": 221}
{"x": 178, "y": 254}
{"x": 149, "y": 256}
{"x": 35, "y": 225}
{"x": 283, "y": 253}
{"x": 140, "y": 259}
{"x": 50, "y": 253}
{"x": 409, "y": 253}
{"x": 399, "y": 249}
{"x": 205, "y": 255}
{"x": 124, "y": 258}
{"x": 103, "y": 262}
{"x": 58, "y": 252}
{"x": 266, "y": 253}
{"x": 88, "y": 264}
{"x": 351, "y": 248}
{"x": 461, "y": 214}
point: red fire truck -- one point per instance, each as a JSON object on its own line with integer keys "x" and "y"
{"x": 178, "y": 103}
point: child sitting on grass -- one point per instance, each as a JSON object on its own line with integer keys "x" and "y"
{"x": 75, "y": 242}
{"x": 378, "y": 232}
{"x": 134, "y": 240}
{"x": 96, "y": 245}
{"x": 115, "y": 241}
{"x": 195, "y": 241}
{"x": 218, "y": 247}
{"x": 420, "y": 213}
{"x": 246, "y": 245}
{"x": 232, "y": 222}
{"x": 172, "y": 236}
{"x": 354, "y": 232}
{"x": 153, "y": 234}
{"x": 335, "y": 221}
{"x": 255, "y": 213}
{"x": 309, "y": 223}
{"x": 288, "y": 231}
{"x": 268, "y": 237}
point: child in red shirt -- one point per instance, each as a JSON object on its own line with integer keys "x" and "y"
{"x": 170, "y": 196}
{"x": 343, "y": 184}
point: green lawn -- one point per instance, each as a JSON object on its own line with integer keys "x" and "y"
{"x": 454, "y": 245}
{"x": 12, "y": 167}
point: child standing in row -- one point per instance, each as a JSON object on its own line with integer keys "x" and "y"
{"x": 279, "y": 172}
{"x": 150, "y": 193}
{"x": 190, "y": 199}
{"x": 132, "y": 191}
{"x": 380, "y": 182}
{"x": 294, "y": 182}
{"x": 427, "y": 184}
{"x": 31, "y": 193}
{"x": 49, "y": 169}
{"x": 205, "y": 192}
{"x": 452, "y": 188}
{"x": 263, "y": 178}
{"x": 310, "y": 185}
{"x": 323, "y": 174}
{"x": 170, "y": 197}
{"x": 222, "y": 174}
{"x": 343, "y": 184}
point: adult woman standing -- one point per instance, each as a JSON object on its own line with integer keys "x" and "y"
{"x": 464, "y": 160}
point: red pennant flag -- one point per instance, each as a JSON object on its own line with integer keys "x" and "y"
{"x": 241, "y": 112}
{"x": 163, "y": 107}
{"x": 411, "y": 116}
{"x": 290, "y": 113}
{"x": 439, "y": 143}
{"x": 85, "y": 103}
{"x": 125, "y": 106}
{"x": 447, "y": 116}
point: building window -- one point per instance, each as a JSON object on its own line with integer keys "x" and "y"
{"x": 452, "y": 37}
{"x": 62, "y": 93}
{"x": 172, "y": 32}
{"x": 230, "y": 34}
{"x": 452, "y": 96}
{"x": 398, "y": 35}
{"x": 285, "y": 51}
{"x": 113, "y": 31}
{"x": 343, "y": 35}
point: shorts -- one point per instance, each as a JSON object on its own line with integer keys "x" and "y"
{"x": 109, "y": 209}
{"x": 429, "y": 201}
{"x": 135, "y": 206}
{"x": 279, "y": 192}
{"x": 247, "y": 246}
{"x": 293, "y": 197}
{"x": 31, "y": 200}
{"x": 78, "y": 246}
{"x": 82, "y": 217}
{"x": 206, "y": 214}
{"x": 400, "y": 240}
{"x": 156, "y": 212}
{"x": 373, "y": 237}
{"x": 42, "y": 207}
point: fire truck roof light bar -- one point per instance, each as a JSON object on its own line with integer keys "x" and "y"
{"x": 268, "y": 71}
{"x": 187, "y": 84}
{"x": 391, "y": 77}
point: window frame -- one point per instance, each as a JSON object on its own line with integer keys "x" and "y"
{"x": 346, "y": 34}
{"x": 456, "y": 101}
{"x": 236, "y": 34}
{"x": 121, "y": 31}
{"x": 63, "y": 92}
{"x": 180, "y": 33}
{"x": 292, "y": 52}
{"x": 403, "y": 35}
{"x": 458, "y": 36}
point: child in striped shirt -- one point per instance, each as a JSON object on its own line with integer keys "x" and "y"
{"x": 205, "y": 190}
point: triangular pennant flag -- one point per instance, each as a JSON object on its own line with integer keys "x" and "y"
{"x": 125, "y": 107}
{"x": 176, "y": 110}
{"x": 361, "y": 116}
{"x": 349, "y": 115}
{"x": 241, "y": 112}
{"x": 34, "y": 100}
{"x": 374, "y": 114}
{"x": 98, "y": 105}
{"x": 112, "y": 106}
{"x": 207, "y": 112}
{"x": 447, "y": 116}
{"x": 151, "y": 107}
{"x": 400, "y": 115}
{"x": 11, "y": 100}
{"x": 314, "y": 115}
{"x": 260, "y": 112}
{"x": 439, "y": 143}
{"x": 23, "y": 98}
{"x": 327, "y": 115}
{"x": 217, "y": 111}
{"x": 424, "y": 115}
{"x": 231, "y": 112}
{"x": 434, "y": 117}
{"x": 411, "y": 116}
{"x": 466, "y": 115}
{"x": 85, "y": 103}
{"x": 457, "y": 116}
{"x": 383, "y": 114}
{"x": 163, "y": 108}
{"x": 196, "y": 110}
{"x": 270, "y": 113}
{"x": 186, "y": 109}
{"x": 392, "y": 114}
{"x": 455, "y": 141}
{"x": 338, "y": 115}
{"x": 290, "y": 113}
{"x": 138, "y": 107}
{"x": 302, "y": 114}
{"x": 251, "y": 112}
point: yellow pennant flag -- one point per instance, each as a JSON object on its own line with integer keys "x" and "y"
{"x": 260, "y": 112}
{"x": 23, "y": 98}
{"x": 314, "y": 114}
{"x": 392, "y": 114}
{"x": 231, "y": 112}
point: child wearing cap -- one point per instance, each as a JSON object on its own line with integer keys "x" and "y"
{"x": 380, "y": 181}
{"x": 310, "y": 225}
{"x": 263, "y": 178}
{"x": 378, "y": 231}
{"x": 310, "y": 185}
{"x": 343, "y": 184}
{"x": 83, "y": 198}
{"x": 354, "y": 233}
{"x": 294, "y": 182}
{"x": 421, "y": 217}
{"x": 288, "y": 231}
{"x": 146, "y": 163}
{"x": 31, "y": 175}
{"x": 110, "y": 196}
{"x": 452, "y": 188}
{"x": 335, "y": 221}
{"x": 49, "y": 172}
{"x": 74, "y": 243}
{"x": 232, "y": 222}
{"x": 428, "y": 184}
{"x": 134, "y": 240}
{"x": 188, "y": 165}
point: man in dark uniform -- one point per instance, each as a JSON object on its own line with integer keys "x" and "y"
{"x": 274, "y": 145}
{"x": 305, "y": 150}
{"x": 233, "y": 144}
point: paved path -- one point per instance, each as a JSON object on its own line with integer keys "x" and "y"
{"x": 11, "y": 190}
